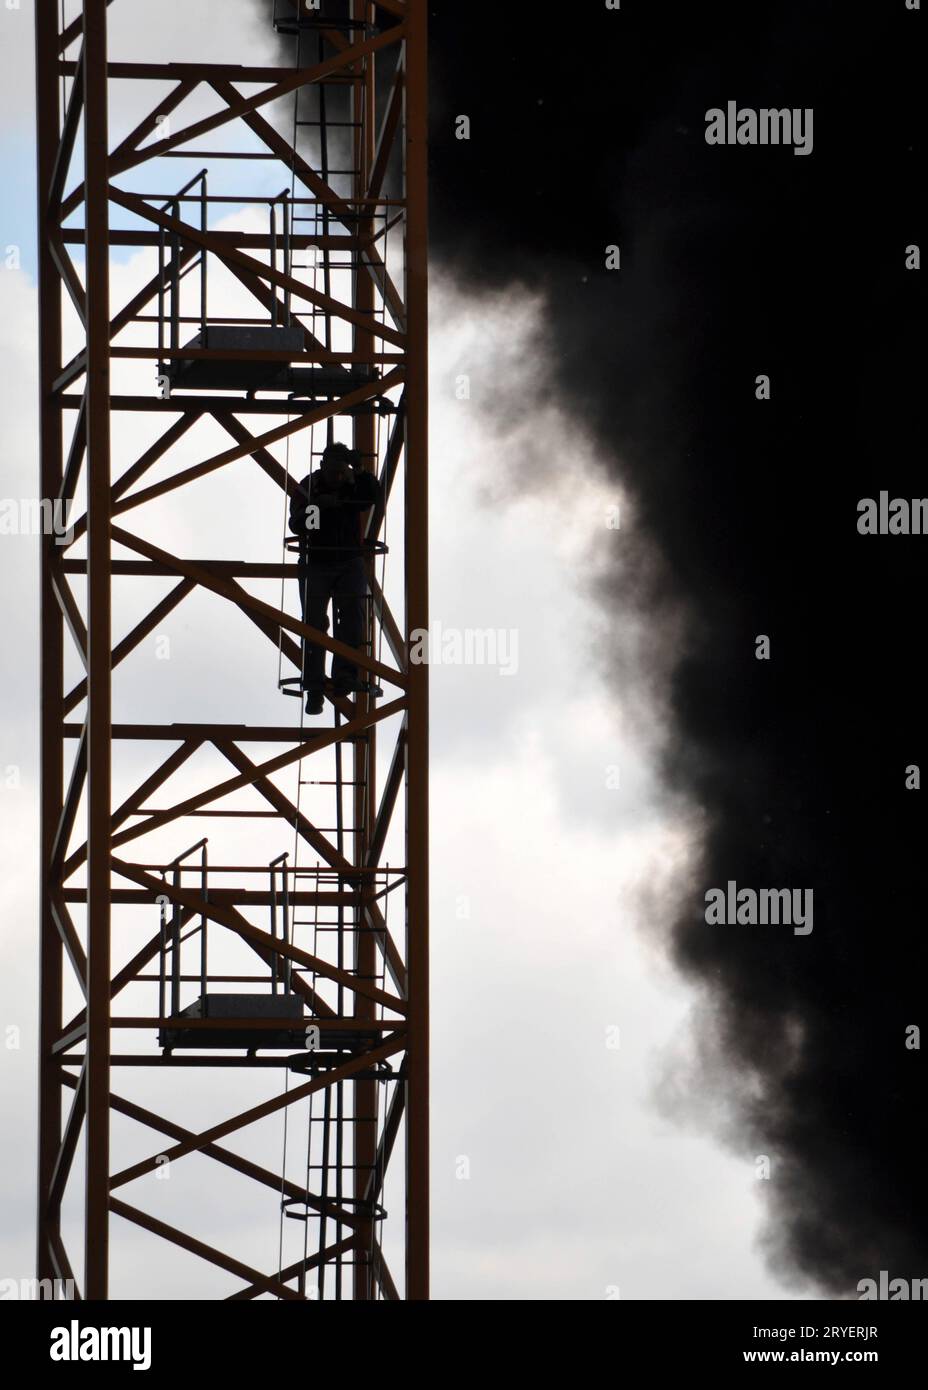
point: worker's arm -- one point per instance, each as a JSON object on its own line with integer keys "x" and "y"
{"x": 365, "y": 491}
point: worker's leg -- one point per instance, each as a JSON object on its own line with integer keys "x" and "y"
{"x": 315, "y": 591}
{"x": 348, "y": 592}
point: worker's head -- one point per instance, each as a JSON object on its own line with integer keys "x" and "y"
{"x": 337, "y": 459}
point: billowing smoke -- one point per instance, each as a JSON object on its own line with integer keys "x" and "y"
{"x": 739, "y": 262}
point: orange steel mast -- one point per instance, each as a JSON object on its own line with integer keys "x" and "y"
{"x": 170, "y": 959}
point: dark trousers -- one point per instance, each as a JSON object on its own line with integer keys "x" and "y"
{"x": 344, "y": 584}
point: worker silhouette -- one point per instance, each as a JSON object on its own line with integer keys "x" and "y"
{"x": 327, "y": 514}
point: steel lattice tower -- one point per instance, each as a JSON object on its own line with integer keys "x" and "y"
{"x": 315, "y": 980}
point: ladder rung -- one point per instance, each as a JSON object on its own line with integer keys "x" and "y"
{"x": 333, "y": 124}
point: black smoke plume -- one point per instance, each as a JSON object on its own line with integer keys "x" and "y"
{"x": 587, "y": 130}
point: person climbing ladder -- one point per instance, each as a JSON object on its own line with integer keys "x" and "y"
{"x": 327, "y": 513}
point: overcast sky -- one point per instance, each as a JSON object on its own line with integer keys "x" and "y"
{"x": 542, "y": 868}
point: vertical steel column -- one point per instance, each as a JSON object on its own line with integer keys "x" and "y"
{"x": 364, "y": 753}
{"x": 417, "y": 617}
{"x": 50, "y": 948}
{"x": 99, "y": 648}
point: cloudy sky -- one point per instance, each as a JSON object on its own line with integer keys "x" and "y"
{"x": 553, "y": 841}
